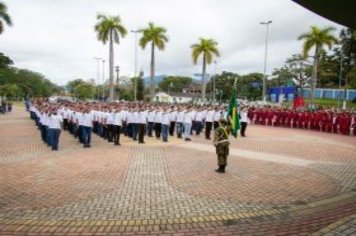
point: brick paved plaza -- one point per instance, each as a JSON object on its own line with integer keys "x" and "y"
{"x": 278, "y": 182}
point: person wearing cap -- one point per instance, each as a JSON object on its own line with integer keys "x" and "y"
{"x": 221, "y": 143}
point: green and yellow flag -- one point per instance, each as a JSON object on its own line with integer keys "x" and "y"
{"x": 232, "y": 114}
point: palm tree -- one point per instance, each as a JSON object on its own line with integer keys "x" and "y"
{"x": 156, "y": 35}
{"x": 110, "y": 28}
{"x": 316, "y": 38}
{"x": 4, "y": 16}
{"x": 207, "y": 47}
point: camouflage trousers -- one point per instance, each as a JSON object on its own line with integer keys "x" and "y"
{"x": 222, "y": 151}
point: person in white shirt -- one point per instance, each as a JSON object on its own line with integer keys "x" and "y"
{"x": 151, "y": 121}
{"x": 199, "y": 121}
{"x": 55, "y": 121}
{"x": 135, "y": 123}
{"x": 79, "y": 118}
{"x": 172, "y": 118}
{"x": 209, "y": 122}
{"x": 110, "y": 126}
{"x": 130, "y": 121}
{"x": 142, "y": 121}
{"x": 243, "y": 121}
{"x": 165, "y": 124}
{"x": 117, "y": 124}
{"x": 187, "y": 122}
{"x": 158, "y": 123}
{"x": 179, "y": 122}
{"x": 87, "y": 125}
{"x": 216, "y": 117}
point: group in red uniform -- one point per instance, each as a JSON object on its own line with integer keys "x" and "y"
{"x": 321, "y": 120}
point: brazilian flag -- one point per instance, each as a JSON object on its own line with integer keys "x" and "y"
{"x": 232, "y": 114}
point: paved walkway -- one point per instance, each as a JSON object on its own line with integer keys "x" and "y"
{"x": 278, "y": 182}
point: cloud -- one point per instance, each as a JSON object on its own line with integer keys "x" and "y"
{"x": 57, "y": 39}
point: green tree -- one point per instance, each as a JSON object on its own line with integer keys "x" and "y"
{"x": 316, "y": 38}
{"x": 348, "y": 44}
{"x": 72, "y": 84}
{"x": 30, "y": 83}
{"x": 175, "y": 83}
{"x": 84, "y": 90}
{"x": 10, "y": 90}
{"x": 4, "y": 17}
{"x": 296, "y": 70}
{"x": 5, "y": 61}
{"x": 250, "y": 86}
{"x": 281, "y": 76}
{"x": 156, "y": 35}
{"x": 110, "y": 28}
{"x": 223, "y": 84}
{"x": 208, "y": 48}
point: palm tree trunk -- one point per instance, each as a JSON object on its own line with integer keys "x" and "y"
{"x": 314, "y": 75}
{"x": 153, "y": 85}
{"x": 203, "y": 95}
{"x": 111, "y": 67}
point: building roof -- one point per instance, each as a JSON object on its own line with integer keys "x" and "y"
{"x": 340, "y": 12}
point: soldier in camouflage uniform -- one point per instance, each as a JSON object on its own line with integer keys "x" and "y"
{"x": 221, "y": 142}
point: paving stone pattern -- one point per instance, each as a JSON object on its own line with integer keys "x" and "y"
{"x": 278, "y": 182}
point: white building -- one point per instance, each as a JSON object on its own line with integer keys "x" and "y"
{"x": 177, "y": 98}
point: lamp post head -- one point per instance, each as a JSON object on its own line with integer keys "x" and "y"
{"x": 266, "y": 23}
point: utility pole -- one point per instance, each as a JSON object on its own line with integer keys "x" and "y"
{"x": 265, "y": 63}
{"x": 117, "y": 69}
{"x": 135, "y": 76}
{"x": 98, "y": 74}
{"x": 215, "y": 62}
{"x": 103, "y": 79}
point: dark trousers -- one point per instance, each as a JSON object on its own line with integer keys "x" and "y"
{"x": 165, "y": 132}
{"x": 243, "y": 128}
{"x": 55, "y": 133}
{"x": 65, "y": 124}
{"x": 216, "y": 124}
{"x": 129, "y": 130}
{"x": 198, "y": 127}
{"x": 150, "y": 129}
{"x": 86, "y": 135}
{"x": 141, "y": 133}
{"x": 134, "y": 130}
{"x": 110, "y": 133}
{"x": 116, "y": 134}
{"x": 179, "y": 129}
{"x": 43, "y": 132}
{"x": 171, "y": 128}
{"x": 158, "y": 127}
{"x": 80, "y": 133}
{"x": 208, "y": 127}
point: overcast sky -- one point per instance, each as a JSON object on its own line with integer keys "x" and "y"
{"x": 57, "y": 38}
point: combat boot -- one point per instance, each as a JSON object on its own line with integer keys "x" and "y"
{"x": 219, "y": 170}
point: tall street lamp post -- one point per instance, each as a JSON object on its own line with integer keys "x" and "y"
{"x": 103, "y": 78}
{"x": 214, "y": 77}
{"x": 135, "y": 77}
{"x": 97, "y": 73}
{"x": 265, "y": 63}
{"x": 117, "y": 69}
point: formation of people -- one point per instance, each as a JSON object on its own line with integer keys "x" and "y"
{"x": 136, "y": 120}
{"x": 325, "y": 120}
